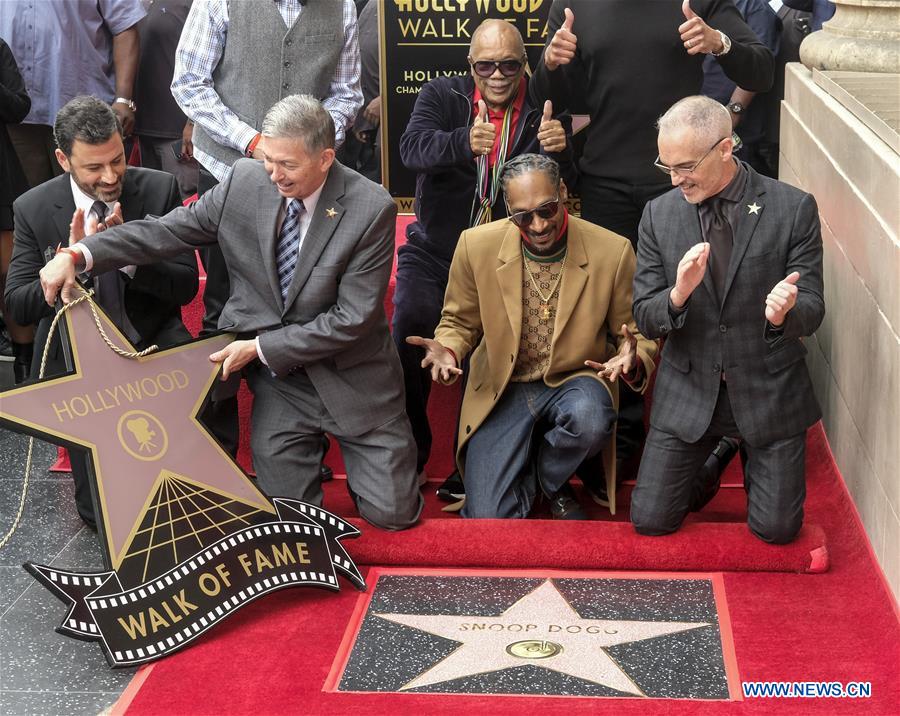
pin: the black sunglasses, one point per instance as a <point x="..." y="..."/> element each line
<point x="485" y="68"/>
<point x="544" y="211"/>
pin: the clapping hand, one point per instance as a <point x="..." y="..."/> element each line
<point x="623" y="363"/>
<point x="690" y="273"/>
<point x="551" y="134"/>
<point x="441" y="361"/>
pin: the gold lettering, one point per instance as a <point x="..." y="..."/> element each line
<point x="156" y="620"/>
<point x="169" y="382"/>
<point x="245" y="563"/>
<point x="134" y="626"/>
<point x="84" y="407"/>
<point x="204" y="580"/>
<point x="106" y="406"/>
<point x="60" y="411"/>
<point x="182" y="603"/>
<point x="223" y="574"/>
<point x="175" y="618"/>
<point x="261" y="561"/>
<point x="132" y="391"/>
<point x="302" y="553"/>
<point x="149" y="381"/>
<point x="180" y="378"/>
<point x="283" y="555"/>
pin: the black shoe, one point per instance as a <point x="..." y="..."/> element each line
<point x="22" y="361"/>
<point x="325" y="472"/>
<point x="89" y="521"/>
<point x="710" y="476"/>
<point x="564" y="505"/>
<point x="452" y="489"/>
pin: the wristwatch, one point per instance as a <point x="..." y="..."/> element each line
<point x="127" y="102"/>
<point x="735" y="107"/>
<point x="726" y="44"/>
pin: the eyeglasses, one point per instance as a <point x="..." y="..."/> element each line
<point x="544" y="211"/>
<point x="684" y="171"/>
<point x="485" y="68"/>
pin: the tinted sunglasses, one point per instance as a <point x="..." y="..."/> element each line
<point x="508" y="68"/>
<point x="544" y="211"/>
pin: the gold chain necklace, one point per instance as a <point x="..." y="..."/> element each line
<point x="545" y="313"/>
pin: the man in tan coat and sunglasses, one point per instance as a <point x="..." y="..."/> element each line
<point x="542" y="300"/>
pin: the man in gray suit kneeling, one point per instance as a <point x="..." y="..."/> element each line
<point x="309" y="245"/>
<point x="729" y="270"/>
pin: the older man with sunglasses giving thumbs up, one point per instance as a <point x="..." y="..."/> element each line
<point x="460" y="135"/>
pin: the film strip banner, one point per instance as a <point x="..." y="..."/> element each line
<point x="133" y="626"/>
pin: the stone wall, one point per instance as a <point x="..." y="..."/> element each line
<point x="854" y="358"/>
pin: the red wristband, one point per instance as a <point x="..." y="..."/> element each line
<point x="76" y="255"/>
<point x="252" y="146"/>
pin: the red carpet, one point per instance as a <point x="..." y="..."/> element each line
<point x="791" y="621"/>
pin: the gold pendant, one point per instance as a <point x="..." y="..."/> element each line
<point x="546" y="313"/>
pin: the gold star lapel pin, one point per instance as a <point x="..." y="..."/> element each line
<point x="753" y="208"/>
<point x="330" y="212"/>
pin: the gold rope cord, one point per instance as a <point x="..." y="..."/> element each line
<point x="85" y="296"/>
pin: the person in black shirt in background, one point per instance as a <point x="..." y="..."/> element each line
<point x="163" y="130"/>
<point x="628" y="61"/>
<point x="14" y="106"/>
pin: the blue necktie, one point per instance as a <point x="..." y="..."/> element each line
<point x="287" y="247"/>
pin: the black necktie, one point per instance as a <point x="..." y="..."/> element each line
<point x="109" y="288"/>
<point x="721" y="241"/>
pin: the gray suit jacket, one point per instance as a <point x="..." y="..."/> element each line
<point x="333" y="322"/>
<point x="768" y="383"/>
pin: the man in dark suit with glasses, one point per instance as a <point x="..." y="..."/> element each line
<point x="729" y="270"/>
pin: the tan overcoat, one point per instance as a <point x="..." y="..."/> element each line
<point x="483" y="310"/>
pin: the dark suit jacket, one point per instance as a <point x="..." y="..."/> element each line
<point x="152" y="298"/>
<point x="333" y="322"/>
<point x="768" y="382"/>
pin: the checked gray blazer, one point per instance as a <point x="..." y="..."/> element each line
<point x="768" y="383"/>
<point x="333" y="322"/>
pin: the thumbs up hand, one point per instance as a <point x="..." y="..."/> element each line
<point x="551" y="134"/>
<point x="563" y="44"/>
<point x="697" y="36"/>
<point x="781" y="299"/>
<point x="481" y="136"/>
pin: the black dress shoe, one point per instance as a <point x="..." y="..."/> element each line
<point x="710" y="476"/>
<point x="89" y="521"/>
<point x="452" y="489"/>
<point x="564" y="505"/>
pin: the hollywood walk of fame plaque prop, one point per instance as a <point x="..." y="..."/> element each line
<point x="186" y="535"/>
<point x="546" y="633"/>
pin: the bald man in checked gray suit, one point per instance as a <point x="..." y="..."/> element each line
<point x="729" y="270"/>
<point x="309" y="245"/>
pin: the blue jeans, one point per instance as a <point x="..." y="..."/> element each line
<point x="534" y="437"/>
